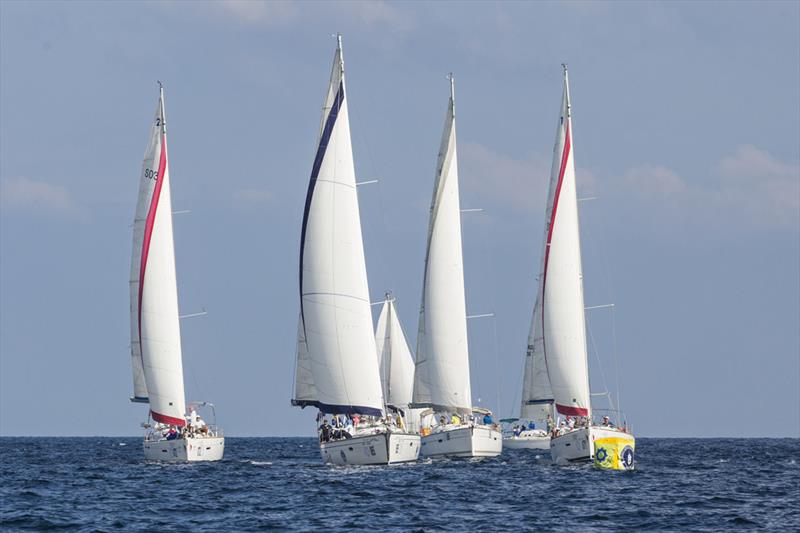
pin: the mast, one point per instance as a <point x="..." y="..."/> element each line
<point x="563" y="321"/>
<point x="335" y="314"/>
<point x="442" y="378"/>
<point x="155" y="327"/>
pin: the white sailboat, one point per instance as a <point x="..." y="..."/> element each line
<point x="563" y="322"/>
<point x="396" y="365"/>
<point x="337" y="368"/>
<point x="537" y="411"/>
<point x="441" y="379"/>
<point x="155" y="329"/>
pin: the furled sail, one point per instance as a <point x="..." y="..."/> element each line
<point x="155" y="328"/>
<point x="442" y="378"/>
<point x="563" y="324"/>
<point x="334" y="297"/>
<point x="394" y="356"/>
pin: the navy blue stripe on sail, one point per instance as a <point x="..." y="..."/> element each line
<point x="539" y="402"/>
<point x="321" y="149"/>
<point x="338" y="409"/>
<point x="348" y="409"/>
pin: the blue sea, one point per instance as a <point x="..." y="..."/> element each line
<point x="104" y="484"/>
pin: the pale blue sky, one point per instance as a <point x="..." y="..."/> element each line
<point x="686" y="129"/>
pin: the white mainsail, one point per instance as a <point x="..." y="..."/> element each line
<point x="442" y="378"/>
<point x="334" y="296"/>
<point x="155" y="328"/>
<point x="563" y="324"/>
<point x="395" y="359"/>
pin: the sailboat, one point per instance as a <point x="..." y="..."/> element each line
<point x="396" y="364"/>
<point x="578" y="437"/>
<point x="538" y="407"/>
<point x="155" y="329"/>
<point x="441" y="378"/>
<point x="337" y="366"/>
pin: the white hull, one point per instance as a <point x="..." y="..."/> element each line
<point x="378" y="449"/>
<point x="185" y="449"/>
<point x="463" y="441"/>
<point x="527" y="442"/>
<point x="579" y="445"/>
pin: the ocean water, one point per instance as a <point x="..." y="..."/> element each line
<point x="104" y="484"/>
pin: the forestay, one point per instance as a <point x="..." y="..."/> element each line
<point x="155" y="328"/>
<point x="563" y="324"/>
<point x="442" y="378"/>
<point x="334" y="297"/>
<point x="394" y="356"/>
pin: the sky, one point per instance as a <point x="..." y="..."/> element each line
<point x="686" y="120"/>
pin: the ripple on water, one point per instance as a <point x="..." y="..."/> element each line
<point x="281" y="483"/>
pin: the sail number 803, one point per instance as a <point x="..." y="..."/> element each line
<point x="150" y="174"/>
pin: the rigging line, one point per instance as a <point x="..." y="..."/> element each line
<point x="615" y="357"/>
<point x="599" y="364"/>
<point x="382" y="229"/>
<point x="600" y="245"/>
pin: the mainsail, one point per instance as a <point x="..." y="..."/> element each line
<point x="334" y="297"/>
<point x="442" y="378"/>
<point x="394" y="356"/>
<point x="563" y="324"/>
<point x="155" y="328"/>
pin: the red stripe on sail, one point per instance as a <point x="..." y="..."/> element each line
<point x="148" y="227"/>
<point x="164" y="419"/>
<point x="574" y="411"/>
<point x="564" y="156"/>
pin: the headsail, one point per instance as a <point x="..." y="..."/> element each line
<point x="394" y="356"/>
<point x="563" y="323"/>
<point x="537" y="396"/>
<point x="334" y="296"/>
<point x="305" y="393"/>
<point x="155" y="328"/>
<point x="442" y="378"/>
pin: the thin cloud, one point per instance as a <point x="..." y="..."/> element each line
<point x="283" y="14"/>
<point x="749" y="187"/>
<point x="29" y="196"/>
<point x="505" y="182"/>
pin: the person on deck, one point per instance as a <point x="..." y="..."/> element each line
<point x="487" y="419"/>
<point x="454" y="419"/>
<point x="531" y="425"/>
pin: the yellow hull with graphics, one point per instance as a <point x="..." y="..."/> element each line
<point x="614" y="453"/>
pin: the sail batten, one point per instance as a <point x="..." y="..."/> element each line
<point x="335" y="317"/>
<point x="155" y="328"/>
<point x="442" y="378"/>
<point x="561" y="290"/>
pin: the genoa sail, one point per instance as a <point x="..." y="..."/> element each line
<point x="155" y="328"/>
<point x="563" y="322"/>
<point x="394" y="356"/>
<point x="442" y="379"/>
<point x="537" y="396"/>
<point x="305" y="393"/>
<point x="334" y="295"/>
